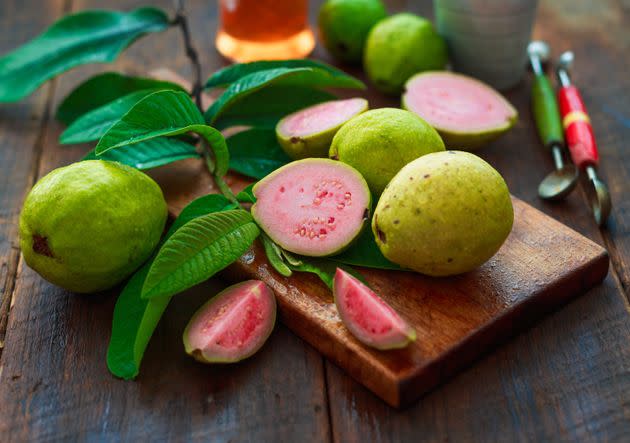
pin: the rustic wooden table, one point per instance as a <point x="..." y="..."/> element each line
<point x="566" y="379"/>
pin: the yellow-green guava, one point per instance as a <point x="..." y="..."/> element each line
<point x="87" y="226"/>
<point x="378" y="143"/>
<point x="345" y="24"/>
<point x="443" y="214"/>
<point x="400" y="46"/>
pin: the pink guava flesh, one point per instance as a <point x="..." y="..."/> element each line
<point x="372" y="321"/>
<point x="321" y="117"/>
<point x="457" y="103"/>
<point x="233" y="325"/>
<point x="313" y="207"/>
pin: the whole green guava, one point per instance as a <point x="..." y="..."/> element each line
<point x="443" y="214"/>
<point x="87" y="226"/>
<point x="400" y="46"/>
<point x="378" y="143"/>
<point x="345" y="24"/>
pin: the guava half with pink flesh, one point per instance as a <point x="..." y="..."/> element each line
<point x="372" y="321"/>
<point x="314" y="207"/>
<point x="232" y="325"/>
<point x="309" y="132"/>
<point x="466" y="112"/>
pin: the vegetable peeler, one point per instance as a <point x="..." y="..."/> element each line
<point x="559" y="183"/>
<point x="580" y="138"/>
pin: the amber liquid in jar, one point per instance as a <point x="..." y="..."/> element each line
<point x="264" y="30"/>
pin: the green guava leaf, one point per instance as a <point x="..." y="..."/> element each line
<point x="365" y="252"/>
<point x="149" y="154"/>
<point x="198" y="250"/>
<point x="247" y="195"/>
<point x="102" y="89"/>
<point x="249" y="84"/>
<point x="164" y="114"/>
<point x="199" y="207"/>
<point x="274" y="256"/>
<point x="265" y="107"/>
<point x="94" y="124"/>
<point x="226" y="76"/>
<point x="86" y="37"/>
<point x="256" y="152"/>
<point x="136" y="318"/>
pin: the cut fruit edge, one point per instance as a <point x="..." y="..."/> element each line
<point x="511" y="114"/>
<point x="328" y="116"/>
<point x="223" y="309"/>
<point x="400" y="333"/>
<point x="269" y="212"/>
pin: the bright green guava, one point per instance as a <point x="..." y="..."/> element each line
<point x="400" y="46"/>
<point x="345" y="24"/>
<point x="87" y="226"/>
<point x="443" y="214"/>
<point x="378" y="143"/>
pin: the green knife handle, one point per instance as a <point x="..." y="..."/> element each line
<point x="546" y="112"/>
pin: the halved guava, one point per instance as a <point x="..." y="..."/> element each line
<point x="314" y="207"/>
<point x="466" y="112"/>
<point x="372" y="321"/>
<point x="309" y="132"/>
<point x="232" y="325"/>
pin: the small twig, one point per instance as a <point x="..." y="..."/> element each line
<point x="182" y="21"/>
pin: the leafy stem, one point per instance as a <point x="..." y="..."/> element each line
<point x="182" y="21"/>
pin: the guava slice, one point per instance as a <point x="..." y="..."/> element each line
<point x="233" y="325"/>
<point x="466" y="112"/>
<point x="372" y="321"/>
<point x="314" y="207"/>
<point x="309" y="132"/>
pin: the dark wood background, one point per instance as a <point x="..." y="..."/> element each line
<point x="566" y="379"/>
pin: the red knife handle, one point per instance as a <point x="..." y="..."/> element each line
<point x="577" y="127"/>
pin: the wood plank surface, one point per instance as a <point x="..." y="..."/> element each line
<point x="21" y="130"/>
<point x="567" y="379"/>
<point x="55" y="386"/>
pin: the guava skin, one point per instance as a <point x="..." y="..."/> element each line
<point x="443" y="214"/>
<point x="378" y="143"/>
<point x="400" y="46"/>
<point x="345" y="24"/>
<point x="88" y="226"/>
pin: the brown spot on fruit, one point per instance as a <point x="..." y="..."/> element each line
<point x="295" y="140"/>
<point x="427" y="175"/>
<point x="396" y="222"/>
<point x="40" y="245"/>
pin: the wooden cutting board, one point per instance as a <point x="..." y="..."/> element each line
<point x="541" y="266"/>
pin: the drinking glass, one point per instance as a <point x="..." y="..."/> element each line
<point x="264" y="30"/>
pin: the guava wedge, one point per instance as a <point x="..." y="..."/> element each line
<point x="309" y="132"/>
<point x="232" y="325"/>
<point x="372" y="321"/>
<point x="314" y="207"/>
<point x="467" y="113"/>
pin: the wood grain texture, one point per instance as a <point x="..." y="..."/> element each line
<point x="566" y="379"/>
<point x="21" y="130"/>
<point x="54" y="384"/>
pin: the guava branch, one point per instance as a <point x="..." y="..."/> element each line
<point x="182" y="21"/>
